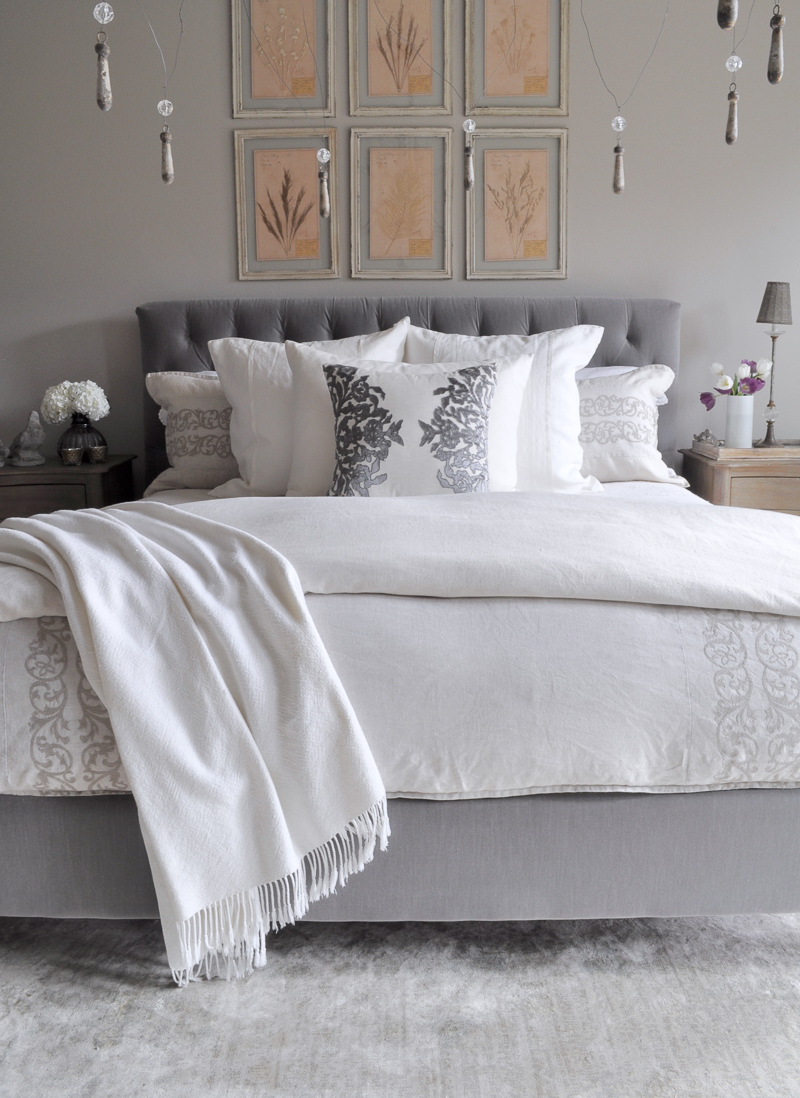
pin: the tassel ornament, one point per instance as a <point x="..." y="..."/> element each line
<point x="619" y="170"/>
<point x="775" y="64"/>
<point x="727" y="13"/>
<point x="732" y="129"/>
<point x="324" y="194"/>
<point x="102" y="49"/>
<point x="167" y="166"/>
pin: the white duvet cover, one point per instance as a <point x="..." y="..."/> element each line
<point x="671" y="665"/>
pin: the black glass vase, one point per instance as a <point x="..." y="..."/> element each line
<point x="82" y="435"/>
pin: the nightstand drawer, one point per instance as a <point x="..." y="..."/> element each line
<point x="768" y="493"/>
<point x="23" y="500"/>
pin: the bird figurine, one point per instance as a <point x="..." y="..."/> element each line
<point x="25" y="447"/>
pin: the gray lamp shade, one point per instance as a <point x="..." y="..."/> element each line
<point x="776" y="308"/>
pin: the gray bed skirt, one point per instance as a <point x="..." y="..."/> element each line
<point x="553" y="856"/>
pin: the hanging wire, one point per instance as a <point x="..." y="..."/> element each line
<point x="644" y="67"/>
<point x="167" y="78"/>
<point x="746" y="29"/>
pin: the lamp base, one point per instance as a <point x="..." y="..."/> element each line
<point x="769" y="438"/>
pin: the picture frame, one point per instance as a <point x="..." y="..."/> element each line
<point x="287" y="72"/>
<point x="517" y="57"/>
<point x="280" y="232"/>
<point x="405" y="73"/>
<point x="401" y="197"/>
<point x="516" y="211"/>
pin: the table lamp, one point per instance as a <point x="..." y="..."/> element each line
<point x="776" y="308"/>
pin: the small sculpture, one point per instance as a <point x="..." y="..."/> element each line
<point x="25" y="447"/>
<point x="3" y="453"/>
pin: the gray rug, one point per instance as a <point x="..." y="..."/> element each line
<point x="651" y="1008"/>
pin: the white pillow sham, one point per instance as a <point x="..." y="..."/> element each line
<point x="196" y="416"/>
<point x="619" y="425"/>
<point x="423" y="430"/>
<point x="610" y="371"/>
<point x="549" y="456"/>
<point x="257" y="382"/>
<point x="314" y="451"/>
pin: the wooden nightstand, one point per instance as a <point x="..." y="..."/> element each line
<point x="767" y="479"/>
<point x="39" y="489"/>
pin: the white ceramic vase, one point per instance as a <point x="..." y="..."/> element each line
<point x="739" y="422"/>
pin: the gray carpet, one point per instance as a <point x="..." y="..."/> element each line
<point x="681" y="1008"/>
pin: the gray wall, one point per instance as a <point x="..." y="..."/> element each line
<point x="88" y="230"/>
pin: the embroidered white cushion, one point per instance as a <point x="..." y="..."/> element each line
<point x="619" y="425"/>
<point x="610" y="371"/>
<point x="419" y="431"/>
<point x="258" y="384"/>
<point x="196" y="416"/>
<point x="549" y="456"/>
<point x="314" y="454"/>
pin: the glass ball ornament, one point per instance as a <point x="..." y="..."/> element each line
<point x="468" y="125"/>
<point x="323" y="156"/>
<point x="165" y="107"/>
<point x="734" y="63"/>
<point x="618" y="124"/>
<point x="103" y="13"/>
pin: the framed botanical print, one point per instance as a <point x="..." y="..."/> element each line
<point x="516" y="212"/>
<point x="400" y="57"/>
<point x="281" y="233"/>
<point x="282" y="58"/>
<point x="401" y="193"/>
<point x="516" y="60"/>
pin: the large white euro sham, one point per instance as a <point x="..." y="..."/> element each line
<point x="257" y="382"/>
<point x="549" y="455"/>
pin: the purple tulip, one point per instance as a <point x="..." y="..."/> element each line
<point x="709" y="400"/>
<point x="748" y="362"/>
<point x="749" y="385"/>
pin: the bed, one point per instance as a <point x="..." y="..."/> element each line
<point x="542" y="855"/>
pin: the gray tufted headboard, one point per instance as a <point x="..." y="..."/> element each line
<point x="175" y="334"/>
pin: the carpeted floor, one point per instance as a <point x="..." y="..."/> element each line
<point x="651" y="1008"/>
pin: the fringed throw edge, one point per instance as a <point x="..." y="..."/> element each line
<point x="228" y="938"/>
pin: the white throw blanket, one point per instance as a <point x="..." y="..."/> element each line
<point x="255" y="787"/>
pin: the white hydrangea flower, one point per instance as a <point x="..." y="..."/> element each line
<point x="84" y="397"/>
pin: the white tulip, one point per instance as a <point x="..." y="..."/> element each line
<point x="717" y="368"/>
<point x="725" y="382"/>
<point x="743" y="371"/>
<point x="763" y="367"/>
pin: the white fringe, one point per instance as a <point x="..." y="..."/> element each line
<point x="228" y="938"/>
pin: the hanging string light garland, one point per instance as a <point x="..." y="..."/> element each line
<point x="618" y="123"/>
<point x="103" y="13"/>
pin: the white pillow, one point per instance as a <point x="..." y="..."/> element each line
<point x="619" y="425"/>
<point x="423" y="430"/>
<point x="314" y="455"/>
<point x="196" y="417"/>
<point x="549" y="456"/>
<point x="258" y="384"/>
<point x="610" y="371"/>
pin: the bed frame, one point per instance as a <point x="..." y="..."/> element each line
<point x="550" y="856"/>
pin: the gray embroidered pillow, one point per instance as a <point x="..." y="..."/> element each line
<point x="197" y="429"/>
<point x="619" y="425"/>
<point x="416" y="431"/>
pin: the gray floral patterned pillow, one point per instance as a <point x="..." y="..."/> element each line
<point x="197" y="429"/>
<point x="419" y="431"/>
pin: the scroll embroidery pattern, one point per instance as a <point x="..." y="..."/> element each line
<point x="192" y="432"/>
<point x="619" y="419"/>
<point x="69" y="725"/>
<point x="459" y="432"/>
<point x="365" y="429"/>
<point x="758" y="695"/>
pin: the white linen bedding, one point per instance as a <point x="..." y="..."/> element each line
<point x="605" y="689"/>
